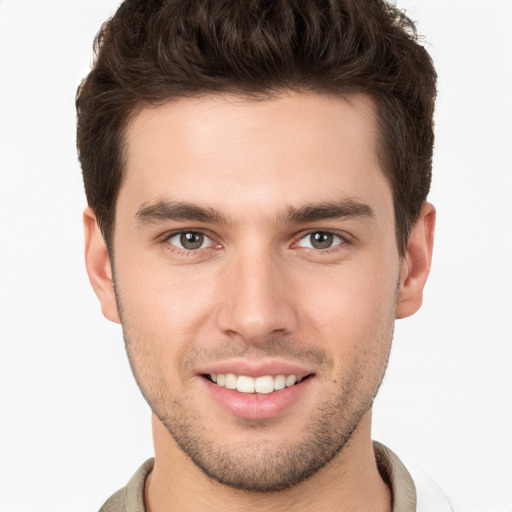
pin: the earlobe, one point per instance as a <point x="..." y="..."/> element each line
<point x="99" y="269"/>
<point x="416" y="263"/>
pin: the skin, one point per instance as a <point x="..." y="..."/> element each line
<point x="257" y="292"/>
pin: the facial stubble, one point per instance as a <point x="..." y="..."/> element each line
<point x="256" y="467"/>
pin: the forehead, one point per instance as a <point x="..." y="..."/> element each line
<point x="250" y="155"/>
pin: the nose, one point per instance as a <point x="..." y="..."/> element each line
<point x="257" y="300"/>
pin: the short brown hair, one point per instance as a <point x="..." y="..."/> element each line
<point x="152" y="51"/>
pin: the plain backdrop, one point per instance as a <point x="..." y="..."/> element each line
<point x="73" y="425"/>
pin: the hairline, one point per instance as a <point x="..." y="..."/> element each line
<point x="248" y="94"/>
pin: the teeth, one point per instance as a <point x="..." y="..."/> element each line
<point x="245" y="384"/>
<point x="265" y="384"/>
<point x="279" y="382"/>
<point x="230" y="381"/>
<point x="290" y="380"/>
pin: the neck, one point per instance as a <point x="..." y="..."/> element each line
<point x="351" y="481"/>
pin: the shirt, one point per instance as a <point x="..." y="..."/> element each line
<point x="425" y="496"/>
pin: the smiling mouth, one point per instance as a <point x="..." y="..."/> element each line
<point x="264" y="384"/>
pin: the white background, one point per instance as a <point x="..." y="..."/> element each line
<point x="73" y="426"/>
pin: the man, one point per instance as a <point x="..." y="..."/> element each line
<point x="257" y="174"/>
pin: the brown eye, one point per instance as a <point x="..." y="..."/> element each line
<point x="320" y="240"/>
<point x="189" y="240"/>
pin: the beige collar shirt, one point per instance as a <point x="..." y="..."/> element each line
<point x="404" y="492"/>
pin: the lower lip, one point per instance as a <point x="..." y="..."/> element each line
<point x="257" y="406"/>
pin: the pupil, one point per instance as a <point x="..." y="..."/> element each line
<point x="322" y="240"/>
<point x="191" y="240"/>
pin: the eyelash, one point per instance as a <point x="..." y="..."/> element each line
<point x="344" y="241"/>
<point x="187" y="252"/>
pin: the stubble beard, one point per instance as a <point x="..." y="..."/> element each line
<point x="255" y="467"/>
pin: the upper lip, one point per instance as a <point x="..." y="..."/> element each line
<point x="255" y="368"/>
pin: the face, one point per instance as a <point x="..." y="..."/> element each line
<point x="257" y="278"/>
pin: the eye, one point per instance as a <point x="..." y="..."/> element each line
<point x="320" y="240"/>
<point x="189" y="240"/>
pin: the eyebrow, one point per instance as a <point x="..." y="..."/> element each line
<point x="161" y="211"/>
<point x="171" y="210"/>
<point x="323" y="211"/>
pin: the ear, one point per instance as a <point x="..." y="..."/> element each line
<point x="415" y="265"/>
<point x="99" y="269"/>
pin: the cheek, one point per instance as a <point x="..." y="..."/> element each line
<point x="354" y="322"/>
<point x="162" y="305"/>
<point x="158" y="318"/>
<point x="350" y="308"/>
